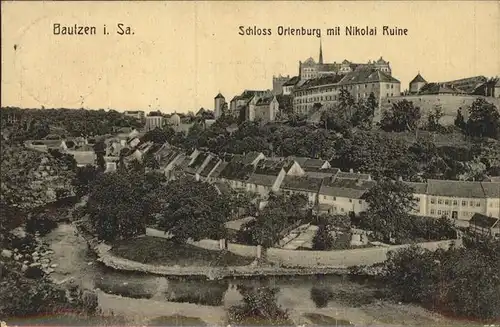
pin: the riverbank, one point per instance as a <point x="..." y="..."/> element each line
<point x="357" y="302"/>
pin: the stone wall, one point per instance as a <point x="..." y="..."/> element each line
<point x="310" y="259"/>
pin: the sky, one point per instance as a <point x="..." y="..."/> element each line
<point x="183" y="53"/>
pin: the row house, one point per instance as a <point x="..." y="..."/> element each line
<point x="459" y="200"/>
<point x="307" y="186"/>
<point x="343" y="195"/>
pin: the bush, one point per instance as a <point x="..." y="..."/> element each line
<point x="321" y="296"/>
<point x="42" y="224"/>
<point x="323" y="240"/>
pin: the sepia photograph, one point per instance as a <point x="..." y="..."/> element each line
<point x="250" y="163"/>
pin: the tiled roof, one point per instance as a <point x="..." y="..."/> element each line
<point x="491" y="189"/>
<point x="324" y="80"/>
<point x="250" y="157"/>
<point x="299" y="160"/>
<point x="269" y="167"/>
<point x="313" y="163"/>
<point x="219" y="169"/>
<point x="260" y="179"/>
<point x="347" y="175"/>
<point x="210" y="165"/>
<point x="347" y="188"/>
<point x="458" y="189"/>
<point x="322" y="173"/>
<point x="236" y="171"/>
<point x="264" y="100"/>
<point x="439" y="88"/>
<point x="329" y="67"/>
<point x="467" y="84"/>
<point x="292" y="81"/>
<point x="418" y="79"/>
<point x="367" y="75"/>
<point x="307" y="184"/>
<point x="483" y="221"/>
<point x="419" y="188"/>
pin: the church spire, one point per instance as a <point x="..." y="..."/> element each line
<point x="320" y="53"/>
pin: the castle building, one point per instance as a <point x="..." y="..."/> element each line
<point x="153" y="122"/>
<point x="137" y="114"/>
<point x="416" y="84"/>
<point x="219" y="102"/>
<point x="278" y="82"/>
<point x="311" y="69"/>
<point x="448" y="96"/>
<point x="255" y="104"/>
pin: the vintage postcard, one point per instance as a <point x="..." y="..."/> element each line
<point x="250" y="163"/>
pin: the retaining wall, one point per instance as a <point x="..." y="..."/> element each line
<point x="310" y="259"/>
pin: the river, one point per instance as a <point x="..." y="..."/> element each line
<point x="140" y="297"/>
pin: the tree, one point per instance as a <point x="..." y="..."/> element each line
<point x="389" y="202"/>
<point x="459" y="120"/>
<point x="484" y="119"/>
<point x="323" y="240"/>
<point x="100" y="151"/>
<point x="119" y="205"/>
<point x="85" y="177"/>
<point x="403" y="116"/>
<point x="192" y="210"/>
<point x="259" y="307"/>
<point x="365" y="111"/>
<point x="433" y="119"/>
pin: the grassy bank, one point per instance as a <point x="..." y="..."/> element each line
<point x="160" y="251"/>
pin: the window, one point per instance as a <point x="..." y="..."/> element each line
<point x="334" y="198"/>
<point x="433" y="200"/>
<point x="433" y="212"/>
<point x="471" y="203"/>
<point x="350" y="200"/>
<point x="342" y="209"/>
<point x="417" y="199"/>
<point x="359" y="201"/>
<point x="439" y="212"/>
<point x="440" y="201"/>
<point x="455" y="202"/>
<point x="478" y="203"/>
<point x="324" y="197"/>
<point x="464" y="203"/>
<point x="446" y="202"/>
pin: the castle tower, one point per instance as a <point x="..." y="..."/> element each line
<point x="219" y="102"/>
<point x="417" y="83"/>
<point x="320" y="61"/>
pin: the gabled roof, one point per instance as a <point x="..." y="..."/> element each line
<point x="324" y="80"/>
<point x="458" y="189"/>
<point x="483" y="221"/>
<point x="236" y="171"/>
<point x="313" y="163"/>
<point x="346" y="188"/>
<point x="210" y="166"/>
<point x="439" y="88"/>
<point x="264" y="100"/>
<point x="419" y="188"/>
<point x="250" y="157"/>
<point x="367" y="75"/>
<point x="491" y="189"/>
<point x="304" y="184"/>
<point x="322" y="173"/>
<point x="346" y="175"/>
<point x="418" y="79"/>
<point x="260" y="179"/>
<point x="219" y="169"/>
<point x="292" y="81"/>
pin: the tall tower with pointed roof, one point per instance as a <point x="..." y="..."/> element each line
<point x="320" y="61"/>
<point x="219" y="103"/>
